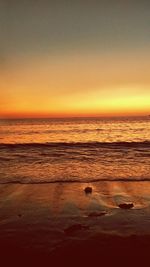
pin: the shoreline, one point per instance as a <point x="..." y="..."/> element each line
<point x="71" y="181"/>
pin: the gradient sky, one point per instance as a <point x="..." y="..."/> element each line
<point x="74" y="58"/>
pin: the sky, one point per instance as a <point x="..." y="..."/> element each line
<point x="74" y="58"/>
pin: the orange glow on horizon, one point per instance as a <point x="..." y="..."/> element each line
<point x="76" y="86"/>
<point x="13" y="115"/>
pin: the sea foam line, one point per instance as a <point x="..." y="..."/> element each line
<point x="78" y="181"/>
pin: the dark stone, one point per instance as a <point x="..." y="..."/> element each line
<point x="126" y="206"/>
<point x="19" y="215"/>
<point x="88" y="190"/>
<point x="97" y="214"/>
<point x="74" y="228"/>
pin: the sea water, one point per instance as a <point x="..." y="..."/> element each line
<point x="74" y="150"/>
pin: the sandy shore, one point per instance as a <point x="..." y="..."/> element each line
<point x="59" y="223"/>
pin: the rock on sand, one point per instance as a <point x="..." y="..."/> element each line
<point x="126" y="206"/>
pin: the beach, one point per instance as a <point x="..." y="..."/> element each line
<point x="75" y="192"/>
<point x="60" y="223"/>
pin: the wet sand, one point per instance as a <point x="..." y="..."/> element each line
<point x="60" y="224"/>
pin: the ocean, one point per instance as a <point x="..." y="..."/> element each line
<point x="74" y="150"/>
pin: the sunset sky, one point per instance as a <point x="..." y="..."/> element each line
<point x="74" y="58"/>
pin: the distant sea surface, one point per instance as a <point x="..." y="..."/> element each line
<point x="76" y="149"/>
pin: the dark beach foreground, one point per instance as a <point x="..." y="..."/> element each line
<point x="59" y="225"/>
<point x="102" y="249"/>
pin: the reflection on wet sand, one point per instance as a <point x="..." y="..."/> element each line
<point x="49" y="215"/>
<point x="58" y="197"/>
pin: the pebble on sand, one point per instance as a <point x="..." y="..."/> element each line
<point x="97" y="214"/>
<point x="88" y="190"/>
<point x="126" y="206"/>
<point x="74" y="228"/>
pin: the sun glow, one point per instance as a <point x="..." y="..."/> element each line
<point x="75" y="86"/>
<point x="74" y="60"/>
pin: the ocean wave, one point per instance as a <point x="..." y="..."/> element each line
<point x="124" y="180"/>
<point x="145" y="143"/>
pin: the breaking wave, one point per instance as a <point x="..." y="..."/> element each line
<point x="76" y="144"/>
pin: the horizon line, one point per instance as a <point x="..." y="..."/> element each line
<point x="73" y="117"/>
